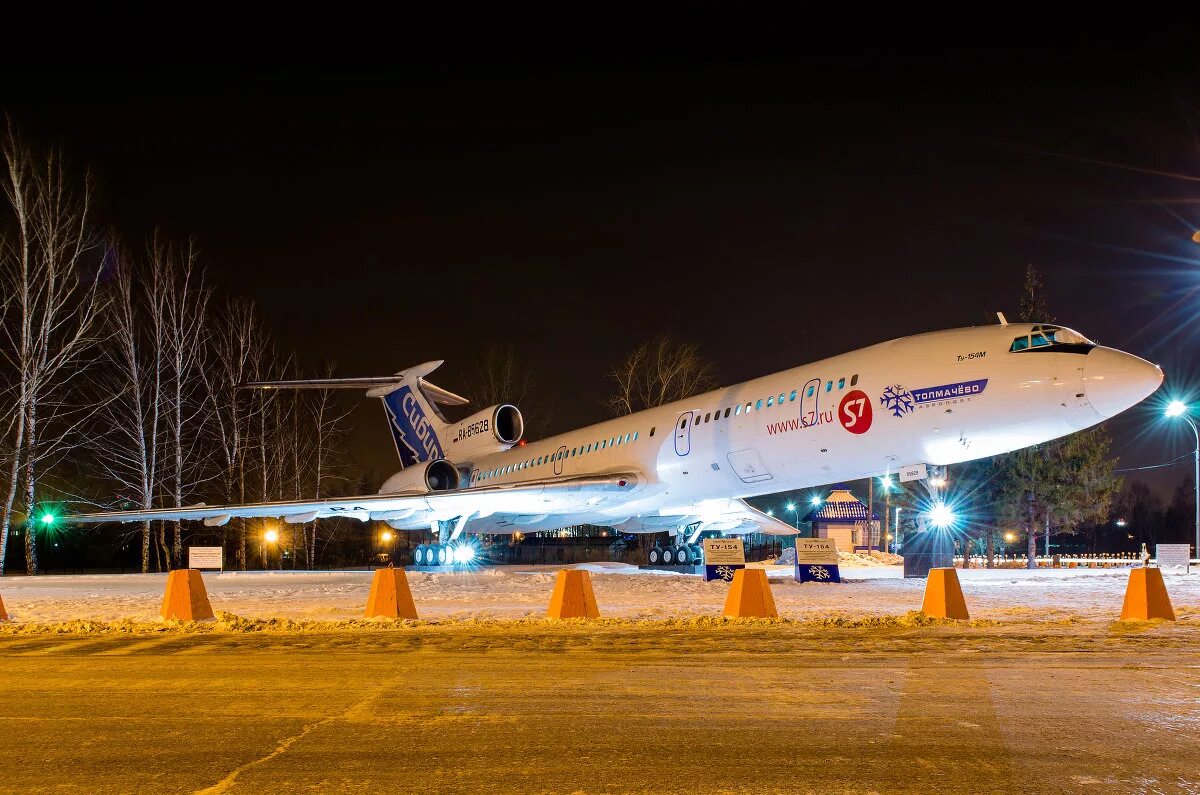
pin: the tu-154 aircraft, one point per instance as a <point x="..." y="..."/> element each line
<point x="937" y="398"/>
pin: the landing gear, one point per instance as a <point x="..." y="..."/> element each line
<point x="430" y="555"/>
<point x="678" y="555"/>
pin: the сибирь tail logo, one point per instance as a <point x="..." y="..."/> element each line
<point x="415" y="438"/>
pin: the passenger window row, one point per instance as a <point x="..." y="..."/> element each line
<point x="758" y="405"/>
<point x="542" y="460"/>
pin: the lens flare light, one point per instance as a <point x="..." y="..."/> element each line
<point x="941" y="516"/>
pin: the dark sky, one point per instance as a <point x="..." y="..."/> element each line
<point x="774" y="208"/>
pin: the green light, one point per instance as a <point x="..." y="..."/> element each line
<point x="47" y="518"/>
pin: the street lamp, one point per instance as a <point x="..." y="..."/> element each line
<point x="1177" y="408"/>
<point x="791" y="506"/>
<point x="816" y="502"/>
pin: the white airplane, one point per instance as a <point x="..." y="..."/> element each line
<point x="935" y="399"/>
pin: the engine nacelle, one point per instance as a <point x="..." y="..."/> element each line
<point x="489" y="431"/>
<point x="438" y="475"/>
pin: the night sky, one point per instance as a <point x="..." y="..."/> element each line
<point x="774" y="209"/>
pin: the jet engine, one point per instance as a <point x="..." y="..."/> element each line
<point x="437" y="475"/>
<point x="489" y="431"/>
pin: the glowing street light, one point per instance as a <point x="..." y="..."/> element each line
<point x="385" y="537"/>
<point x="1010" y="537"/>
<point x="1177" y="408"/>
<point x="271" y="536"/>
<point x="816" y="502"/>
<point x="941" y="516"/>
<point x="937" y="482"/>
<point x="1120" y="523"/>
<point x="48" y="519"/>
<point x="791" y="506"/>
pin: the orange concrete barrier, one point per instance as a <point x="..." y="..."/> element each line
<point x="390" y="596"/>
<point x="186" y="598"/>
<point x="573" y="596"/>
<point x="944" y="596"/>
<point x="1146" y="597"/>
<point x="3" y="612"/>
<point x="750" y="595"/>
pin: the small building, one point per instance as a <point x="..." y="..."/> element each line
<point x="843" y="517"/>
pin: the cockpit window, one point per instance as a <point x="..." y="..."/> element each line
<point x="1052" y="338"/>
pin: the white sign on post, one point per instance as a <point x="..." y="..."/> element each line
<point x="722" y="557"/>
<point x="913" y="472"/>
<point x="1170" y="555"/>
<point x="205" y="558"/>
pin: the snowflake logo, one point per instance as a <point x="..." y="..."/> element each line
<point x="724" y="572"/>
<point x="897" y="400"/>
<point x="818" y="572"/>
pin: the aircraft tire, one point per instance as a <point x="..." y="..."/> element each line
<point x="441" y="554"/>
<point x="655" y="556"/>
<point x="697" y="553"/>
<point x="668" y="556"/>
<point x="419" y="555"/>
<point x="683" y="555"/>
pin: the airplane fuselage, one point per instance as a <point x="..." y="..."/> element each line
<point x="937" y="398"/>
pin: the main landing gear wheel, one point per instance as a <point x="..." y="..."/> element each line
<point x="439" y="556"/>
<point x="655" y="556"/>
<point x="682" y="555"/>
<point x="419" y="555"/>
<point x="668" y="555"/>
<point x="697" y="552"/>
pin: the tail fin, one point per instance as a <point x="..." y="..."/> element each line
<point x="409" y="401"/>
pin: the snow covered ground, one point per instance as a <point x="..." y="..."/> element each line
<point x="1062" y="596"/>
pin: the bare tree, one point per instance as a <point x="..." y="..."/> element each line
<point x="131" y="385"/>
<point x="238" y="350"/>
<point x="187" y="335"/>
<point x="52" y="318"/>
<point x="499" y="378"/>
<point x="660" y="370"/>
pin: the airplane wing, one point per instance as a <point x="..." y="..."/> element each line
<point x="535" y="498"/>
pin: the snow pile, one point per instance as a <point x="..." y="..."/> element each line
<point x="873" y="594"/>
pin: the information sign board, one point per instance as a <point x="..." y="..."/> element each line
<point x="817" y="560"/>
<point x="1171" y="555"/>
<point x="205" y="558"/>
<point x="722" y="557"/>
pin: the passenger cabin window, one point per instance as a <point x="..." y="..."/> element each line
<point x="758" y="405"/>
<point x="828" y="386"/>
<point x="810" y="391"/>
<point x="770" y="401"/>
<point x="651" y="430"/>
<point x="854" y="380"/>
<point x="841" y="383"/>
<point x="727" y="413"/>
<point x="792" y="396"/>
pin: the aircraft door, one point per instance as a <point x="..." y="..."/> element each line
<point x="559" y="457"/>
<point x="810" y="398"/>
<point x="683" y="433"/>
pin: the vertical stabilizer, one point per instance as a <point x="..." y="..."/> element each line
<point x="410" y="402"/>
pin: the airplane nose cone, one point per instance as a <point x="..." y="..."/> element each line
<point x="1114" y="380"/>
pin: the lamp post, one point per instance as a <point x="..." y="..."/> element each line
<point x="896" y="530"/>
<point x="1177" y="408"/>
<point x="791" y="506"/>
